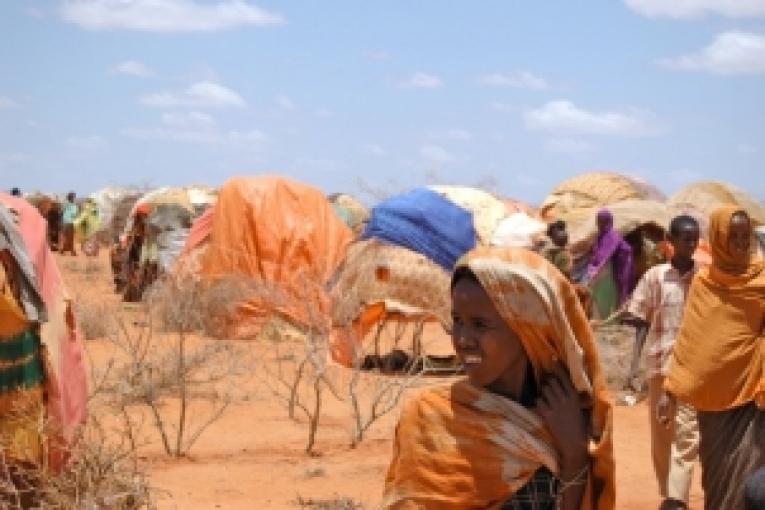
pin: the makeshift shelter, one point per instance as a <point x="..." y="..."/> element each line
<point x="282" y="239"/>
<point x="701" y="198"/>
<point x="65" y="372"/>
<point x="519" y="230"/>
<point x="595" y="189"/>
<point x="387" y="298"/>
<point x="350" y="210"/>
<point x="425" y="222"/>
<point x="154" y="235"/>
<point x="392" y="291"/>
<point x="487" y="210"/>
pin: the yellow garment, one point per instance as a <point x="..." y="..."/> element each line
<point x="13" y="321"/>
<point x="717" y="362"/>
<point x="461" y="447"/>
<point x="21" y="408"/>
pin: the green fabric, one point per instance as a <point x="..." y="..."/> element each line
<point x="27" y="374"/>
<point x="605" y="293"/>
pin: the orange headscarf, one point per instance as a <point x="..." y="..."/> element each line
<point x="458" y="446"/>
<point x="717" y="361"/>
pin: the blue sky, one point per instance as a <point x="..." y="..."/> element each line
<point x="351" y="95"/>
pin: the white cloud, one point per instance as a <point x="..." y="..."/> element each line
<point x="688" y="9"/>
<point x="569" y="146"/>
<point x="422" y="80"/>
<point x="730" y="53"/>
<point x="204" y="94"/>
<point x="436" y="154"/>
<point x="285" y="103"/>
<point x="133" y="68"/>
<point x="565" y="117"/>
<point x="166" y="16"/>
<point x="372" y="149"/>
<point x="87" y="144"/>
<point x="519" y="79"/>
<point x="7" y="103"/>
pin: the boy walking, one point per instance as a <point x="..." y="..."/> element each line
<point x="656" y="309"/>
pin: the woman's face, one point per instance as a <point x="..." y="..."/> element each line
<point x="490" y="351"/>
<point x="740" y="236"/>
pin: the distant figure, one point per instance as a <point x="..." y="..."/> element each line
<point x="656" y="309"/>
<point x="717" y="362"/>
<point x="556" y="251"/>
<point x="16" y="192"/>
<point x="609" y="274"/>
<point x="68" y="215"/>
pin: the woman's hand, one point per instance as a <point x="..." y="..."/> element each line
<point x="560" y="408"/>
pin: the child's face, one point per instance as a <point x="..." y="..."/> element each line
<point x="559" y="238"/>
<point x="685" y="242"/>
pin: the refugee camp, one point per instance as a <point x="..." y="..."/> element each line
<point x="344" y="256"/>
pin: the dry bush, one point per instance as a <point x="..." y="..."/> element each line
<point x="95" y="320"/>
<point x="104" y="472"/>
<point x="336" y="503"/>
<point x="155" y="370"/>
<point x="376" y="395"/>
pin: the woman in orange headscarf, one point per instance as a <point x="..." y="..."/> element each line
<point x="530" y="426"/>
<point x="717" y="362"/>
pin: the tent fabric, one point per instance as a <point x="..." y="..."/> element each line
<point x="194" y="199"/>
<point x="592" y="190"/>
<point x="378" y="281"/>
<point x="519" y="230"/>
<point x="66" y="384"/>
<point x="705" y="197"/>
<point x="487" y="210"/>
<point x="353" y="212"/>
<point x="285" y="238"/>
<point x="425" y="222"/>
<point x="200" y="231"/>
<point x="108" y="200"/>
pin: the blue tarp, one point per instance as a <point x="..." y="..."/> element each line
<point x="426" y="222"/>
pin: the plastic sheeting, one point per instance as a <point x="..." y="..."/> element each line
<point x="518" y="230"/>
<point x="487" y="210"/>
<point x="425" y="222"/>
<point x="285" y="239"/>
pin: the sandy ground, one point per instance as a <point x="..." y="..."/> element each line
<point x="254" y="457"/>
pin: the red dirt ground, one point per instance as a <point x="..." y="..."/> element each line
<point x="254" y="456"/>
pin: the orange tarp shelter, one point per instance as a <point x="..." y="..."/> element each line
<point x="284" y="238"/>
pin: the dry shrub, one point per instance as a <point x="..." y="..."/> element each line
<point x="202" y="378"/>
<point x="95" y="320"/>
<point x="104" y="473"/>
<point x="194" y="305"/>
<point x="336" y="503"/>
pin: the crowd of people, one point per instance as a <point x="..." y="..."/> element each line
<point x="530" y="426"/>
